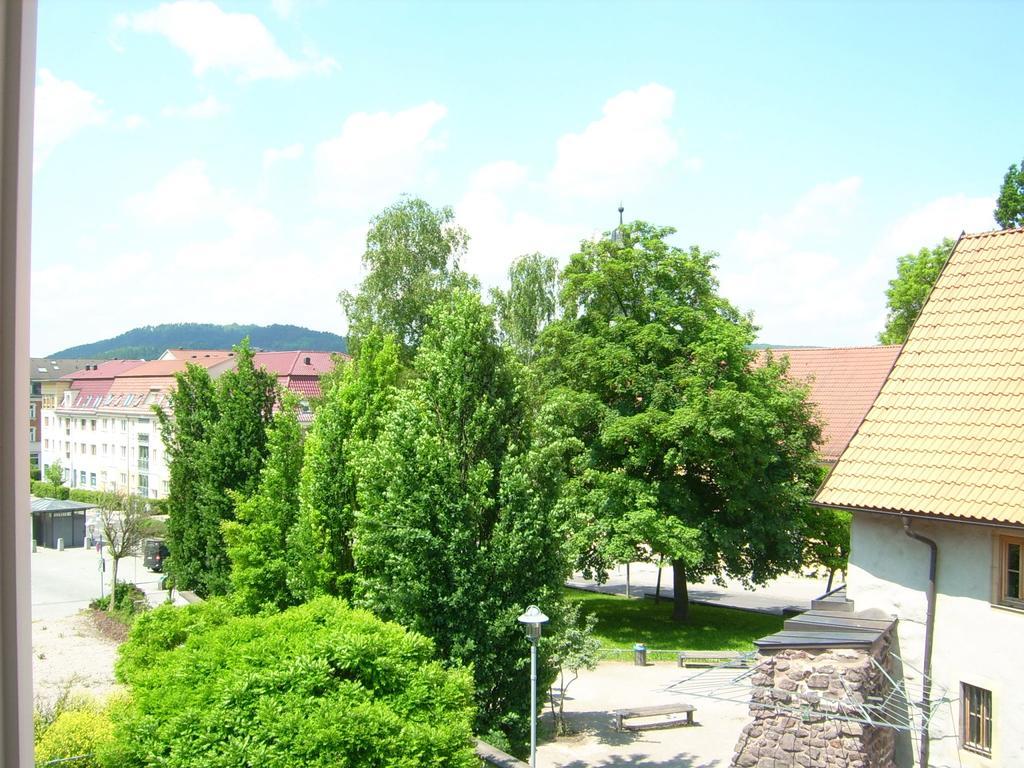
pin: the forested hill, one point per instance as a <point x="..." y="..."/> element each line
<point x="150" y="341"/>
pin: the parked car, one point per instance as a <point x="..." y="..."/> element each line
<point x="154" y="553"/>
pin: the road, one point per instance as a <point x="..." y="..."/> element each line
<point x="65" y="582"/>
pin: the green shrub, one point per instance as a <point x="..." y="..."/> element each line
<point x="45" y="490"/>
<point x="126" y="597"/>
<point x="317" y="685"/>
<point x="34" y="473"/>
<point x="76" y="732"/>
<point x="85" y="496"/>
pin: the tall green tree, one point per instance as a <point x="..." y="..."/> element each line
<point x="529" y="304"/>
<point x="693" y="452"/>
<point x="916" y="273"/>
<point x="216" y="442"/>
<point x="1009" y="212"/>
<point x="320" y="541"/>
<point x="257" y="539"/>
<point x="456" y="534"/>
<point x="235" y="452"/>
<point x="185" y="428"/>
<point x="412" y="256"/>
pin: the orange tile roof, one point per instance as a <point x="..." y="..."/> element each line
<point x="844" y="382"/>
<point x="945" y="436"/>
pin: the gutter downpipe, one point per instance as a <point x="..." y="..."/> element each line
<point x="929" y="634"/>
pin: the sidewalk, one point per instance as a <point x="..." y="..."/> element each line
<point x="789" y="593"/>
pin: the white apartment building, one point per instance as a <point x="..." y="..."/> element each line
<point x="101" y="426"/>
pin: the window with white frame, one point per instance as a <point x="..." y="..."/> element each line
<point x="976" y="719"/>
<point x="92" y="479"/>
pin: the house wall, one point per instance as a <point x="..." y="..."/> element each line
<point x="975" y="641"/>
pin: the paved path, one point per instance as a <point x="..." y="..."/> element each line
<point x="614" y="685"/>
<point x="791" y="592"/>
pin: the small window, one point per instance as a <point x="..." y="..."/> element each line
<point x="31" y="434"/>
<point x="1011" y="585"/>
<point x="977" y="719"/>
<point x="31" y="410"/>
<point x="81" y="477"/>
<point x="93" y="449"/>
<point x="92" y="479"/>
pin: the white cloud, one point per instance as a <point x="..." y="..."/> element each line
<point x="812" y="276"/>
<point x="927" y="225"/>
<point x="209" y="107"/>
<point x="282" y="8"/>
<point x="62" y="109"/>
<point x="498" y="233"/>
<point x="131" y="122"/>
<point x="787" y="269"/>
<point x="218" y="40"/>
<point x="376" y="156"/>
<point x="622" y="151"/>
<point x="291" y="152"/>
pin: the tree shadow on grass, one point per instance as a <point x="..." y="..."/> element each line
<point x="682" y="760"/>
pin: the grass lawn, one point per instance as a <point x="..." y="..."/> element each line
<point x="622" y="622"/>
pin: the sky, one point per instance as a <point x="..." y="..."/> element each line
<point x="200" y="161"/>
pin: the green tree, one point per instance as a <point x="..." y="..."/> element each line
<point x="257" y="539"/>
<point x="412" y="256"/>
<point x="1009" y="212"/>
<point x="916" y="273"/>
<point x="185" y="429"/>
<point x="216" y="442"/>
<point x="124" y="520"/>
<point x="529" y="304"/>
<point x="55" y="474"/>
<point x="320" y="541"/>
<point x="455" y="535"/>
<point x="316" y="685"/>
<point x="234" y="455"/>
<point x="693" y="452"/>
<point x="572" y="648"/>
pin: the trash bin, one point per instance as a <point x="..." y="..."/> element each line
<point x="639" y="655"/>
<point x="60" y="545"/>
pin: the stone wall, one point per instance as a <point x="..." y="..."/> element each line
<point x="797" y="704"/>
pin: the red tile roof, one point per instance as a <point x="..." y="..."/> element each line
<point x="295" y="363"/>
<point x="844" y="382"/>
<point x="105" y="370"/>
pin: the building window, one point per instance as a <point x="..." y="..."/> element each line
<point x="1011" y="584"/>
<point x="104" y="449"/>
<point x="81" y="447"/>
<point x="46" y="444"/>
<point x="46" y="421"/>
<point x="31" y="434"/>
<point x="31" y="410"/>
<point x="124" y="451"/>
<point x="124" y="479"/>
<point x="81" y="477"/>
<point x="93" y="449"/>
<point x="104" y="425"/>
<point x="92" y="425"/>
<point x="82" y="423"/>
<point x="977" y="719"/>
<point x="92" y="479"/>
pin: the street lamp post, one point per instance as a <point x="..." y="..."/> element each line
<point x="532" y="620"/>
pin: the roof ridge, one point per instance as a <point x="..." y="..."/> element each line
<point x="786" y="350"/>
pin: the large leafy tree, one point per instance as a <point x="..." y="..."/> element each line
<point x="1009" y="212"/>
<point x="695" y="453"/>
<point x="320" y="541"/>
<point x="455" y="534"/>
<point x="529" y="304"/>
<point x="185" y="428"/>
<point x="412" y="257"/>
<point x="257" y="539"/>
<point x="916" y="273"/>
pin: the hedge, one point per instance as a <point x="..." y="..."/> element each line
<point x="46" y="490"/>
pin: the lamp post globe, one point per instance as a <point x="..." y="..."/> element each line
<point x="532" y="620"/>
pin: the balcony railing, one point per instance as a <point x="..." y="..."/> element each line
<point x="143" y="465"/>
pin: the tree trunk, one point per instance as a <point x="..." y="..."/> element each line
<point x="680" y="596"/>
<point x="113" y="584"/>
<point x="657" y="586"/>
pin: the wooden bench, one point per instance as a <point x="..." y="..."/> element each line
<point x="619" y="716"/>
<point x="730" y="659"/>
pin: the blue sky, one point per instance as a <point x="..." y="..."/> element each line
<point x="219" y="161"/>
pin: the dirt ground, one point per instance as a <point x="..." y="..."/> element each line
<point x="71" y="652"/>
<point x="617" y="685"/>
